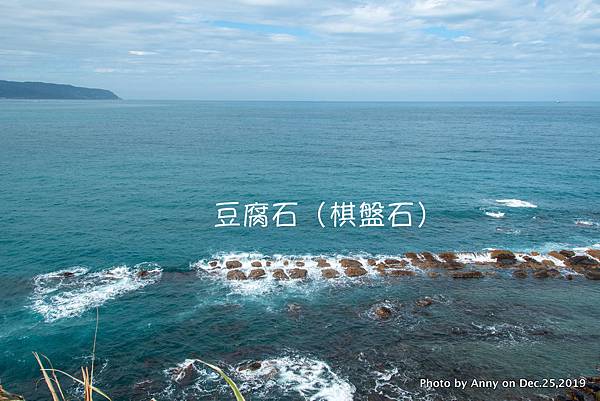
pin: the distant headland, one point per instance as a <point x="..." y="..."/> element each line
<point x="43" y="90"/>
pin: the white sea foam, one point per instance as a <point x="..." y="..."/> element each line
<point x="586" y="223"/>
<point x="496" y="215"/>
<point x="515" y="203"/>
<point x="311" y="379"/>
<point x="306" y="378"/>
<point x="70" y="292"/>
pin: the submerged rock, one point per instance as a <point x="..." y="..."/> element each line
<point x="323" y="263"/>
<point x="330" y="273"/>
<point x="383" y="312"/>
<point x="297" y="273"/>
<point x="250" y="366"/>
<point x="233" y="264"/>
<point x="520" y="273"/>
<point x="468" y="274"/>
<point x="592" y="274"/>
<point x="279" y="274"/>
<point x="541" y="273"/>
<point x="256" y="274"/>
<point x="350" y="263"/>
<point x="424" y="302"/>
<point x="448" y="256"/>
<point x="236" y="275"/>
<point x="355" y="271"/>
<point x="6" y="396"/>
<point x="433" y="274"/>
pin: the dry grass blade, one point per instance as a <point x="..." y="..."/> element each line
<point x="232" y="385"/>
<point x="47" y="378"/>
<point x="94" y="389"/>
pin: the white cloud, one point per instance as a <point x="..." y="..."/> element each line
<point x="282" y="37"/>
<point x="140" y="53"/>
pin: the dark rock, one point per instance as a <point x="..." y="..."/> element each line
<point x="399" y="272"/>
<point x="286" y="262"/>
<point x="269" y="263"/>
<point x="355" y="271"/>
<point x="566" y="253"/>
<point x="541" y="273"/>
<point x="256" y="274"/>
<point x="581" y="260"/>
<point x="424" y="302"/>
<point x="279" y="274"/>
<point x="350" y="263"/>
<point x="250" y="366"/>
<point x="502" y="254"/>
<point x="330" y="273"/>
<point x="297" y="273"/>
<point x="467" y="274"/>
<point x="233" y="264"/>
<point x="256" y="263"/>
<point x="213" y="263"/>
<point x="322" y="263"/>
<point x="569" y="277"/>
<point x="300" y="263"/>
<point x="395" y="262"/>
<point x="6" y="396"/>
<point x="236" y="275"/>
<point x="520" y="273"/>
<point x="592" y="274"/>
<point x="553" y="273"/>
<point x="67" y="274"/>
<point x="383" y="312"/>
<point x="143" y="273"/>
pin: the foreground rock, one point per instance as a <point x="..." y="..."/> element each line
<point x="355" y="271"/>
<point x="256" y="274"/>
<point x="330" y="273"/>
<point x="279" y="274"/>
<point x="233" y="264"/>
<point x="6" y="396"/>
<point x="468" y="274"/>
<point x="503" y="257"/>
<point x="297" y="273"/>
<point x="322" y="263"/>
<point x="350" y="263"/>
<point x="236" y="275"/>
<point x="383" y="312"/>
<point x="593" y="274"/>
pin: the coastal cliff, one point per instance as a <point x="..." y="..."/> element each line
<point x="43" y="90"/>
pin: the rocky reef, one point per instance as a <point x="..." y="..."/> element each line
<point x="563" y="264"/>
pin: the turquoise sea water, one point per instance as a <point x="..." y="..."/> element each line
<point x="96" y="187"/>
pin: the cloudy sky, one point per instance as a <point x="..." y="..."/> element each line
<point x="308" y="50"/>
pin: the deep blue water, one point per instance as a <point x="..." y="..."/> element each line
<point x="106" y="184"/>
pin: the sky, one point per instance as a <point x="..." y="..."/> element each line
<point x="414" y="50"/>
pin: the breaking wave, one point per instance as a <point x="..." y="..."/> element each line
<point x="70" y="292"/>
<point x="515" y="203"/>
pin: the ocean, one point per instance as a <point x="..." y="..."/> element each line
<point x="104" y="190"/>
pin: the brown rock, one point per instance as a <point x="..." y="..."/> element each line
<point x="541" y="273"/>
<point x="448" y="256"/>
<point x="236" y="275"/>
<point x="286" y="262"/>
<point x="535" y="254"/>
<point x="233" y="264"/>
<point x="467" y="274"/>
<point x="548" y="263"/>
<point x="520" y="273"/>
<point x="594" y="253"/>
<point x="557" y="255"/>
<point x="322" y="263"/>
<point x="300" y="263"/>
<point x="279" y="274"/>
<point x="566" y="253"/>
<point x="371" y="262"/>
<point x="502" y="254"/>
<point x="553" y="273"/>
<point x="255" y="274"/>
<point x="297" y="273"/>
<point x="411" y="255"/>
<point x="355" y="271"/>
<point x="256" y="263"/>
<point x="383" y="312"/>
<point x="399" y="273"/>
<point x="350" y="263"/>
<point x="330" y="273"/>
<point x="269" y="263"/>
<point x="424" y="302"/>
<point x="453" y="265"/>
